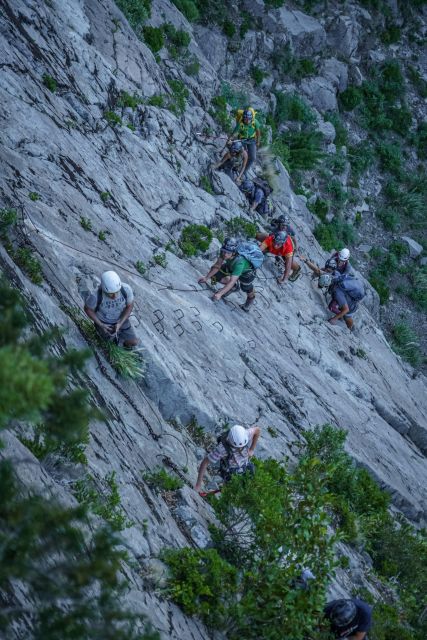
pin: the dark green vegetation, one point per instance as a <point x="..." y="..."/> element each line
<point x="49" y="82"/>
<point x="195" y="238"/>
<point x="68" y="568"/>
<point x="160" y="480"/>
<point x="136" y="12"/>
<point x="275" y="523"/>
<point x="21" y="254"/>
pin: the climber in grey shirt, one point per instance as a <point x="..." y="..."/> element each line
<point x="110" y="307"/>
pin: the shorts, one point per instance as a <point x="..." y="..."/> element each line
<point x="246" y="279"/>
<point x="126" y="333"/>
<point x="334" y="307"/>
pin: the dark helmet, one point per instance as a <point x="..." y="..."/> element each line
<point x="236" y="147"/>
<point x="281" y="221"/>
<point x="247" y="116"/>
<point x="229" y="245"/>
<point x="325" y="280"/>
<point x="280" y="237"/>
<point x="247" y="186"/>
<point x="343" y="613"/>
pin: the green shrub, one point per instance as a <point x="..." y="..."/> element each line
<point x="392" y="82"/>
<point x="417" y="80"/>
<point x="229" y="28"/>
<point x="160" y="259"/>
<point x="161" y="480"/>
<point x="391" y="34"/>
<point x="405" y="343"/>
<point x="299" y="149"/>
<point x="136" y="12"/>
<point x="421" y="141"/>
<point x="334" y="235"/>
<point x="177" y="39"/>
<point x="240" y="226"/>
<point x="246" y="24"/>
<point x="337" y="191"/>
<point x="215" y="11"/>
<point x="206" y="184"/>
<point x="140" y="267"/>
<point x="126" y="100"/>
<point x="195" y="238"/>
<point x="25" y="258"/>
<point x="350" y="98"/>
<point x="272" y="524"/>
<point x="287" y="64"/>
<point x="361" y="157"/>
<point x="105" y="196"/>
<point x="105" y="504"/>
<point x="390" y="155"/>
<point x="153" y="38"/>
<point x="389" y="217"/>
<point x="8" y="218"/>
<point x="179" y="97"/>
<point x="320" y="208"/>
<point x="292" y="107"/>
<point x="188" y="8"/>
<point x="401" y="120"/>
<point x="86" y="223"/>
<point x="49" y="82"/>
<point x="258" y="75"/>
<point x="156" y="101"/>
<point x="112" y="118"/>
<point x="192" y="68"/>
<point x="34" y="196"/>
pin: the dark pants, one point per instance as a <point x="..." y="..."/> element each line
<point x="250" y="146"/>
<point x="227" y="473"/>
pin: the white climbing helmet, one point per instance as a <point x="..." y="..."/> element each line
<point x="344" y="255"/>
<point x="238" y="436"/>
<point x="110" y="282"/>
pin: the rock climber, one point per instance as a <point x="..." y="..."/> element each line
<point x="281" y="223"/>
<point x="346" y="292"/>
<point x="349" y="618"/>
<point x="234" y="162"/>
<point x="234" y="271"/>
<point x="247" y="130"/>
<point x="257" y="197"/>
<point x="233" y="451"/>
<point x="280" y="244"/>
<point x="109" y="307"/>
<point x="337" y="262"/>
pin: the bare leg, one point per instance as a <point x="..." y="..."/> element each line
<point x="349" y="322"/>
<point x="261" y="236"/>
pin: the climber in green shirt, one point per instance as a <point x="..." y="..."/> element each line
<point x="248" y="130"/>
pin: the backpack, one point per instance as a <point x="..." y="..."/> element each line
<point x="352" y="286"/>
<point x="99" y="297"/>
<point x="263" y="184"/>
<point x="239" y="114"/>
<point x="252" y="253"/>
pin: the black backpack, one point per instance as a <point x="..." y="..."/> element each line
<point x="263" y="184"/>
<point x="99" y="297"/>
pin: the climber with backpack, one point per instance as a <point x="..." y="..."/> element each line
<point x="281" y="223"/>
<point x="346" y="292"/>
<point x="109" y="307"/>
<point x="280" y="244"/>
<point x="234" y="449"/>
<point x="234" y="162"/>
<point x="235" y="268"/>
<point x="248" y="131"/>
<point x="257" y="193"/>
<point x="349" y="618"/>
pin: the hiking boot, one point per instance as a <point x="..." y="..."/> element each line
<point x="246" y="307"/>
<point x="295" y="274"/>
<point x="232" y="290"/>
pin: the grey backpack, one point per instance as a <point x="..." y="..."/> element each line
<point x="352" y="286"/>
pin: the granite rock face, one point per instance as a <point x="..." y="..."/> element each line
<point x="282" y="364"/>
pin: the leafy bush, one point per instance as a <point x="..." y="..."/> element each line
<point x="212" y="11"/>
<point x="179" y="97"/>
<point x="153" y="38"/>
<point x="156" y="101"/>
<point x="8" y="218"/>
<point x="340" y="129"/>
<point x="390" y="155"/>
<point x="334" y="235"/>
<point x="292" y="107"/>
<point x="228" y="28"/>
<point x="25" y="258"/>
<point x="161" y="480"/>
<point x="405" y="343"/>
<point x="105" y="504"/>
<point x="240" y="226"/>
<point x="272" y="525"/>
<point x="206" y="184"/>
<point x="49" y="82"/>
<point x="378" y="281"/>
<point x="112" y="118"/>
<point x="136" y="12"/>
<point x="287" y="64"/>
<point x="188" y="8"/>
<point x="195" y="238"/>
<point x="126" y="100"/>
<point x="350" y="98"/>
<point x="417" y="80"/>
<point x="320" y="208"/>
<point x="299" y="149"/>
<point x="389" y="217"/>
<point x="177" y="40"/>
<point x="192" y="68"/>
<point x="140" y="267"/>
<point x="86" y="223"/>
<point x="421" y="141"/>
<point x="258" y="75"/>
<point x="361" y="157"/>
<point x="391" y="34"/>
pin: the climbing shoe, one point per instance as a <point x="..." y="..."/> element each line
<point x="295" y="274"/>
<point x="247" y="305"/>
<point x="232" y="290"/>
